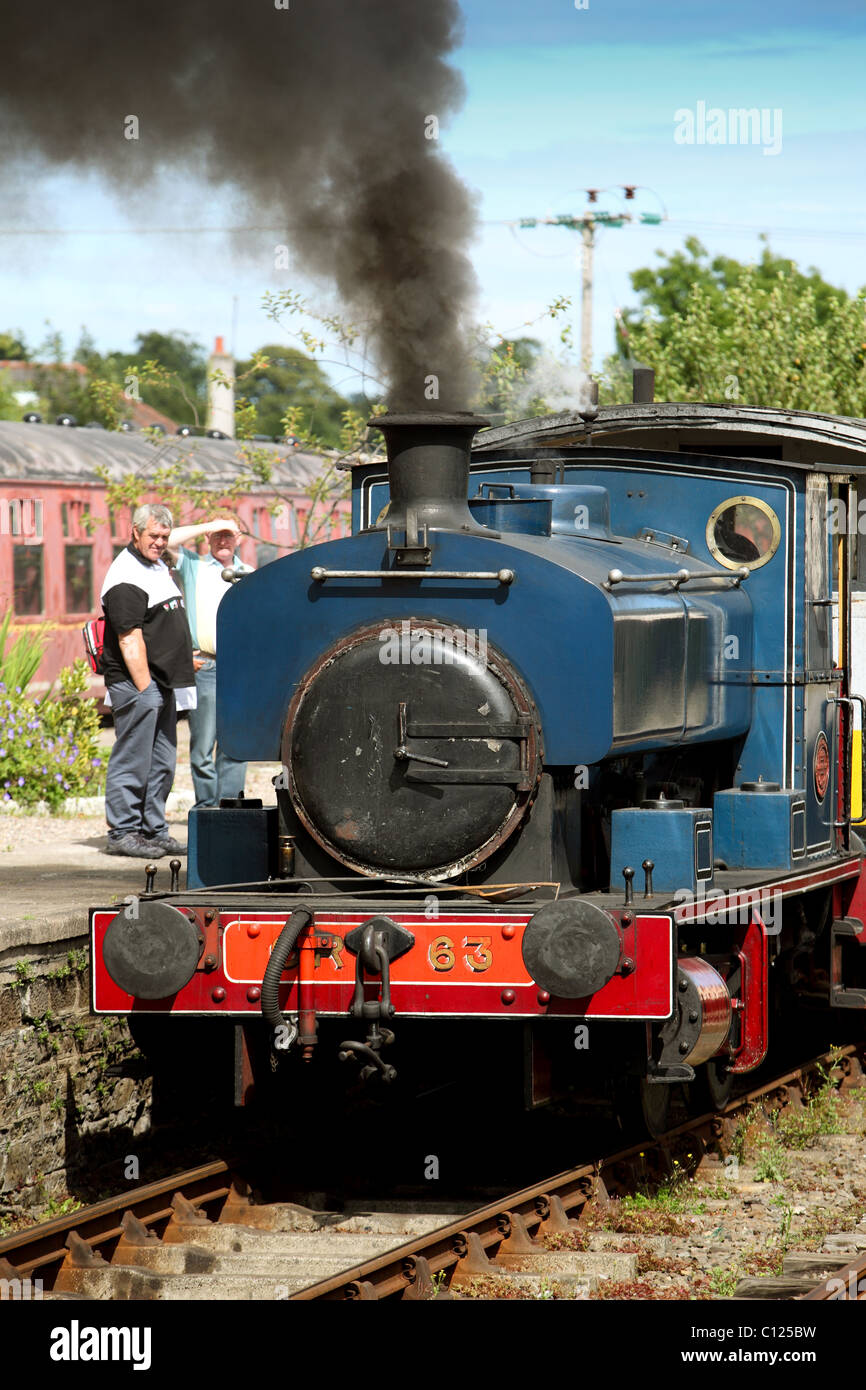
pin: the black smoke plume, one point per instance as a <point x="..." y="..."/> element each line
<point x="316" y="113"/>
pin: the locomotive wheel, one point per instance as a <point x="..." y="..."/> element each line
<point x="643" y="1109"/>
<point x="655" y="1104"/>
<point x="713" y="1085"/>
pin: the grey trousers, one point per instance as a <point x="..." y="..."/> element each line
<point x="211" y="780"/>
<point x="143" y="759"/>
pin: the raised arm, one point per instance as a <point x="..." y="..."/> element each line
<point x="181" y="534"/>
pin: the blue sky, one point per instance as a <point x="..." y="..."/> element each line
<point x="557" y="100"/>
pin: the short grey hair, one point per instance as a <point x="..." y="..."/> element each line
<point x="143" y="514"/>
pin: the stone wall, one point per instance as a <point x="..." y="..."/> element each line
<point x="75" y="1096"/>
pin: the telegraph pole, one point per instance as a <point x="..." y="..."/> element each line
<point x="586" y="223"/>
<point x="588" y="237"/>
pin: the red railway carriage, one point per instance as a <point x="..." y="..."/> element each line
<point x="58" y="535"/>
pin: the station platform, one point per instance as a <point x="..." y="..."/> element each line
<point x="54" y="868"/>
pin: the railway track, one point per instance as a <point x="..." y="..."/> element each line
<point x="203" y="1235"/>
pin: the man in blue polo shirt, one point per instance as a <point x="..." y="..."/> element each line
<point x="204" y="587"/>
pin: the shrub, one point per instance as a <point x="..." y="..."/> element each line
<point x="19" y="660"/>
<point x="48" y="747"/>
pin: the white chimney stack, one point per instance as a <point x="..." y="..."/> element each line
<point x="221" y="396"/>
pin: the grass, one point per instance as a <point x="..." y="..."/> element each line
<point x="766" y="1140"/>
<point x="60" y="1207"/>
<point x="771" y="1165"/>
<point x="822" y="1114"/>
<point x="636" y="1290"/>
<point x="75" y="964"/>
<point x="825" y="1221"/>
<point x="497" y="1287"/>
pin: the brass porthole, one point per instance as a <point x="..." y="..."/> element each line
<point x="743" y="531"/>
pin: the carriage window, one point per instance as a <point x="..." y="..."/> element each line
<point x="27" y="580"/>
<point x="743" y="531"/>
<point x="79" y="579"/>
<point x="265" y="554"/>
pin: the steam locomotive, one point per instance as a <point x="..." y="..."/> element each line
<point x="568" y="742"/>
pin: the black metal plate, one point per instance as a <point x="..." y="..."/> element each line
<point x="153" y="952"/>
<point x="381" y="811"/>
<point x="396" y="939"/>
<point x="571" y="949"/>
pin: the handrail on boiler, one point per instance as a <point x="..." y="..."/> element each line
<point x="733" y="579"/>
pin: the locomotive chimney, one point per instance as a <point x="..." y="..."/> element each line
<point x="428" y="470"/>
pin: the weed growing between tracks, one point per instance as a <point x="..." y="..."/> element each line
<point x="826" y="1220"/>
<point x="502" y="1290"/>
<point x="688" y="1226"/>
<point x="634" y="1290"/>
<point x="765" y="1137"/>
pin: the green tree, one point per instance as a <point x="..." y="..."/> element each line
<point x="763" y="334"/>
<point x="664" y="289"/>
<point x="61" y="389"/>
<point x="13" y="347"/>
<point x="284" y="378"/>
<point x="9" y="407"/>
<point x="503" y="372"/>
<point x="180" y="390"/>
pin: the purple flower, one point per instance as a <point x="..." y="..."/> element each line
<point x="45" y="772"/>
<point x="2" y="752"/>
<point x="6" y="796"/>
<point x="21" y="781"/>
<point x="57" y="777"/>
<point x="97" y="762"/>
<point x="29" y="743"/>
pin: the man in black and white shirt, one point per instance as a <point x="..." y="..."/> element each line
<point x="147" y="662"/>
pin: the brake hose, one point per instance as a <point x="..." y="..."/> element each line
<point x="283" y="948"/>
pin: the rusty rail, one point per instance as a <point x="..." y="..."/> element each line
<point x="550" y="1206"/>
<point x="504" y="1227"/>
<point x="41" y="1249"/>
<point x="852" y="1278"/>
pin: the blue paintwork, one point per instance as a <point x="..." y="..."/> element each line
<point x="229" y="845"/>
<point x="278" y="621"/>
<point x="677" y="497"/>
<point x="679" y="843"/>
<point x="555" y="623"/>
<point x="760" y="830"/>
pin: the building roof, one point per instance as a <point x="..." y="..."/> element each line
<point x="798" y="435"/>
<point x="23" y="367"/>
<point x="58" y="453"/>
